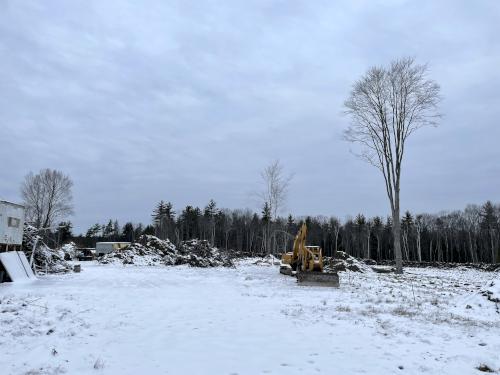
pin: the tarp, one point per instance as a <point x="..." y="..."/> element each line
<point x="17" y="266"/>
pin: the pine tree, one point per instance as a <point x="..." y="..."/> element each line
<point x="209" y="216"/>
<point x="64" y="232"/>
<point x="128" y="232"/>
<point x="163" y="219"/>
<point x="266" y="230"/>
<point x="489" y="224"/>
<point x="108" y="229"/>
<point x="93" y="231"/>
<point x="266" y="213"/>
<point x="406" y="226"/>
<point x="116" y="230"/>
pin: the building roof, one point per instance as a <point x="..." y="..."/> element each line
<point x="12" y="204"/>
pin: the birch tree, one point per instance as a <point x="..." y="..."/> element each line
<point x="386" y="106"/>
<point x="273" y="197"/>
<point x="275" y="190"/>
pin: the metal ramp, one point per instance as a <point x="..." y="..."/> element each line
<point x="16" y="266"/>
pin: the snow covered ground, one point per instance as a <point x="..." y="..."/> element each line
<point x="248" y="320"/>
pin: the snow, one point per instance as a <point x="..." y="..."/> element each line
<point x="248" y="320"/>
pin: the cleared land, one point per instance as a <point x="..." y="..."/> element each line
<point x="247" y="320"/>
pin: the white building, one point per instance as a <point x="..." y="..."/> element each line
<point x="102" y="248"/>
<point x="11" y="226"/>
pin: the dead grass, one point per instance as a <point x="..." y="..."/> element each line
<point x="343" y="308"/>
<point x="484" y="368"/>
<point x="403" y="311"/>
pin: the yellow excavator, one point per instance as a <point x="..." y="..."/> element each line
<point x="306" y="263"/>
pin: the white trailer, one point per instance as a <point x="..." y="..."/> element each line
<point x="102" y="248"/>
<point x="11" y="225"/>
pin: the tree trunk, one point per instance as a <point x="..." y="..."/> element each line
<point x="396" y="231"/>
<point x="419" y="246"/>
<point x="471" y="248"/>
<point x="368" y="246"/>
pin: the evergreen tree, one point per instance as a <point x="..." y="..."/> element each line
<point x="489" y="224"/>
<point x="108" y="230"/>
<point x="149" y="230"/>
<point x="129" y="232"/>
<point x="64" y="232"/>
<point x="93" y="231"/>
<point x="209" y="217"/>
<point x="163" y="219"/>
<point x="116" y="231"/>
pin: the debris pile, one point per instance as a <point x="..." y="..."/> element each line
<point x="268" y="260"/>
<point x="69" y="251"/>
<point x="343" y="262"/>
<point x="150" y="251"/>
<point x="492" y="292"/>
<point x="489" y="267"/>
<point x="199" y="253"/>
<point x="46" y="260"/>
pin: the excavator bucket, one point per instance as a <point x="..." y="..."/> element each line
<point x="318" y="279"/>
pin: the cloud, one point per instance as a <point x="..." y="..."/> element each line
<point x="185" y="101"/>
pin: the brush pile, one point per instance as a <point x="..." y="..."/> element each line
<point x="344" y="262"/>
<point x="150" y="251"/>
<point x="46" y="260"/>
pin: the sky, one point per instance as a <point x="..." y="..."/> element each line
<point x="184" y="101"/>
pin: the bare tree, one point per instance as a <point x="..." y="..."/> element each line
<point x="386" y="106"/>
<point x="275" y="189"/>
<point x="335" y="226"/>
<point x="272" y="198"/>
<point x="47" y="197"/>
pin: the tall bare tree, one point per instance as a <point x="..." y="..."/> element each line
<point x="386" y="106"/>
<point x="47" y="197"/>
<point x="275" y="189"/>
<point x="273" y="197"/>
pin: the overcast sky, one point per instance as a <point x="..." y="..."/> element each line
<point x="189" y="100"/>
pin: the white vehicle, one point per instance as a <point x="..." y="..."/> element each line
<point x="11" y="226"/>
<point x="102" y="248"/>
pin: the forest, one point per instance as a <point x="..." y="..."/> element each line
<point x="468" y="235"/>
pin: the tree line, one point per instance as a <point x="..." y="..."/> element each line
<point x="469" y="235"/>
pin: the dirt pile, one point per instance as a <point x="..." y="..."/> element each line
<point x="344" y="262"/>
<point x="46" y="260"/>
<point x="150" y="251"/>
